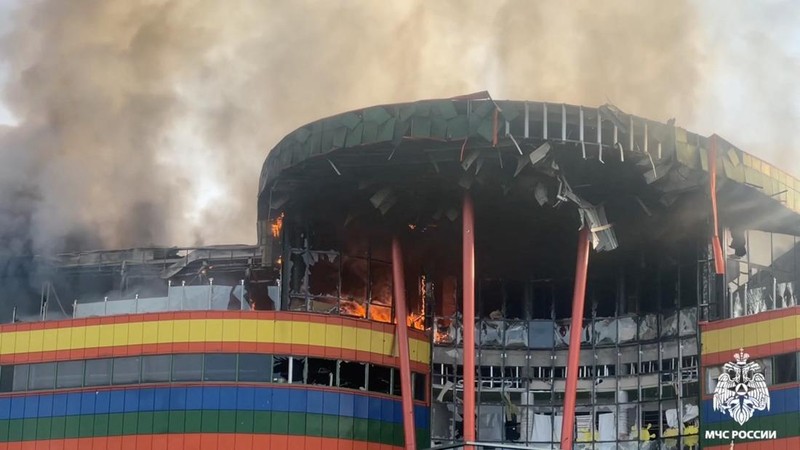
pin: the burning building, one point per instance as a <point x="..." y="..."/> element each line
<point x="519" y="274"/>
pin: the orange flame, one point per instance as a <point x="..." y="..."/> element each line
<point x="380" y="314"/>
<point x="352" y="308"/>
<point x="277" y="226"/>
<point x="416" y="321"/>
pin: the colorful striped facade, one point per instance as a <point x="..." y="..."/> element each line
<point x="765" y="337"/>
<point x="206" y="413"/>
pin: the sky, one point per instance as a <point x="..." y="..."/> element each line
<point x="210" y="89"/>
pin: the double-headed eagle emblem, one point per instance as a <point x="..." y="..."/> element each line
<point x="741" y="389"/>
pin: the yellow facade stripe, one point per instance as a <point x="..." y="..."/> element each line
<point x="209" y="330"/>
<point x="751" y="334"/>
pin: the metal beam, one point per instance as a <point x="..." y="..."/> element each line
<point x="573" y="358"/>
<point x="401" y="335"/>
<point x="468" y="256"/>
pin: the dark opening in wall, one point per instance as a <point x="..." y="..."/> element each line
<point x="542" y="301"/>
<point x="419" y="386"/>
<point x="280" y="369"/>
<point x="785" y="368"/>
<point x="515" y="299"/>
<point x="491" y="299"/>
<point x="379" y="379"/>
<point x="297" y="374"/>
<point x="352" y="375"/>
<point x="323" y="278"/>
<point x="321" y="372"/>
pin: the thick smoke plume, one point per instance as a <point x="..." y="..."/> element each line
<point x="146" y="121"/>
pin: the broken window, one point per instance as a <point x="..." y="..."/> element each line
<point x="491" y="299"/>
<point x="379" y="379"/>
<point x="786" y="368"/>
<point x="419" y="386"/>
<point x="297" y="373"/>
<point x="321" y="372"/>
<point x="280" y="369"/>
<point x="352" y="375"/>
<point x="323" y="277"/>
<point x="380" y="278"/>
<point x="355" y="273"/>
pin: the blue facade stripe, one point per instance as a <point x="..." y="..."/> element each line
<point x="782" y="401"/>
<point x="243" y="398"/>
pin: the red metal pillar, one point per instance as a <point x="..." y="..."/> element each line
<point x="578" y="297"/>
<point x="401" y="335"/>
<point x="468" y="243"/>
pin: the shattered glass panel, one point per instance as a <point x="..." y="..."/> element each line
<point x="297" y="304"/>
<point x="605" y="331"/>
<point x="323" y="277"/>
<point x="787" y="294"/>
<point x="688" y="321"/>
<point x="669" y="324"/>
<point x="516" y="334"/>
<point x="325" y="305"/>
<point x="758" y="297"/>
<point x="297" y="273"/>
<point x="562" y="332"/>
<point x="445" y="332"/>
<point x="491" y="332"/>
<point x="626" y="328"/>
<point x="648" y="327"/>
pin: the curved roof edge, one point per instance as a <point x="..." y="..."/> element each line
<point x="478" y="116"/>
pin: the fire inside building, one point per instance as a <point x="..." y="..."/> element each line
<point x="439" y="274"/>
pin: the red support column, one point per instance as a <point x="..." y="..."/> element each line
<point x="401" y="335"/>
<point x="578" y="297"/>
<point x="468" y="242"/>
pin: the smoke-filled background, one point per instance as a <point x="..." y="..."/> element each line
<point x="138" y="122"/>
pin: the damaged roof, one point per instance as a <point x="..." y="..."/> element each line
<point x="672" y="160"/>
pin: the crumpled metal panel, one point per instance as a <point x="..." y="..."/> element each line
<point x="491" y="332"/>
<point x="516" y="334"/>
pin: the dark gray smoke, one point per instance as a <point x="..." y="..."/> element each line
<point x="146" y="122"/>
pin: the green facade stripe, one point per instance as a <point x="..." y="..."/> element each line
<point x="786" y="425"/>
<point x="205" y="421"/>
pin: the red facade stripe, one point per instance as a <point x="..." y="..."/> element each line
<point x="761" y="317"/>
